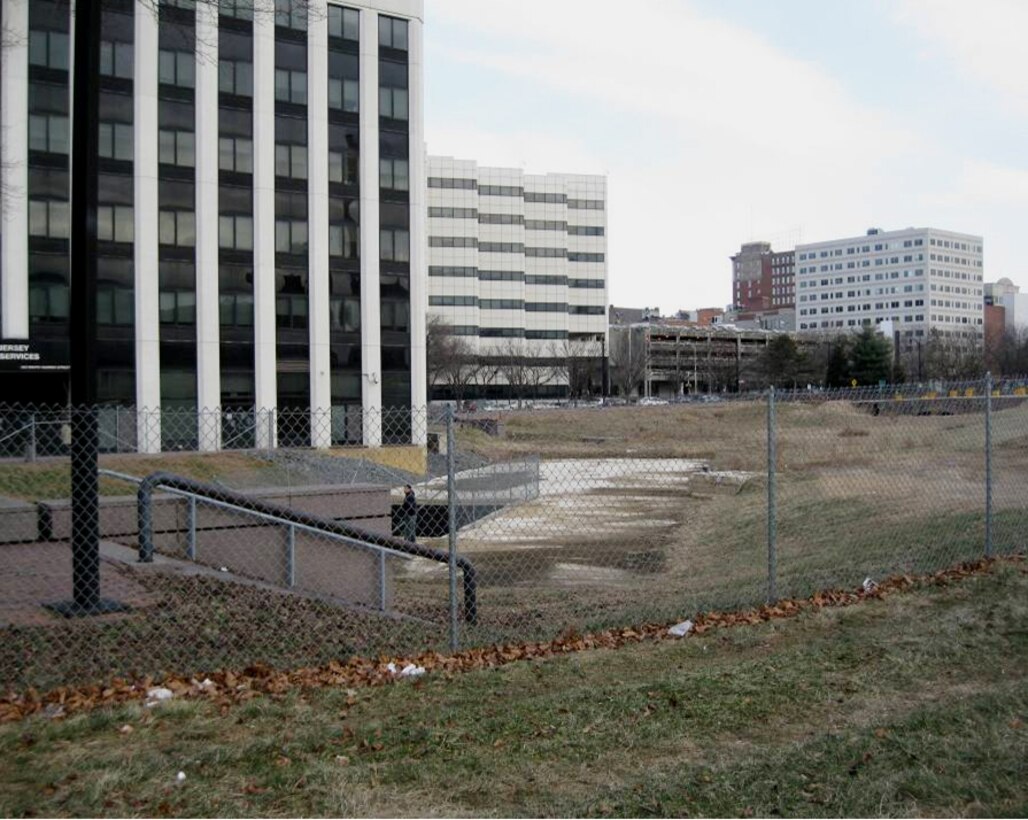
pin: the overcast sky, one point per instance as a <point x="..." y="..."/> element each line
<point x="724" y="121"/>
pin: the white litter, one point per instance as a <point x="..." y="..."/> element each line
<point x="224" y="569"/>
<point x="207" y="683"/>
<point x="681" y="630"/>
<point x="409" y="671"/>
<point x="157" y="695"/>
<point x="869" y="585"/>
<point x="180" y="777"/>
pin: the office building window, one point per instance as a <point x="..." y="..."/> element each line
<point x="235" y="154"/>
<point x="291" y="310"/>
<point x="114" y="305"/>
<point x="116" y="59"/>
<point x="291" y="161"/>
<point x="178" y="307"/>
<point x="177" y="228"/>
<point x="343" y="23"/>
<point x="236" y="309"/>
<point x="235" y="232"/>
<point x="291" y="236"/>
<point x="239" y="9"/>
<point x="176" y="68"/>
<point x="49" y="218"/>
<point x="176" y="148"/>
<point x="342" y="168"/>
<point x="48" y="49"/>
<point x="392" y="102"/>
<point x="394" y="245"/>
<point x="235" y="77"/>
<point x="48" y="301"/>
<point x="114" y="223"/>
<point x="394" y="174"/>
<point x="343" y="240"/>
<point x="344" y="94"/>
<point x="291" y="14"/>
<point x="345" y="314"/>
<point x="453" y="182"/>
<point x="392" y="33"/>
<point x="291" y="86"/>
<point x="48" y="132"/>
<point x="452" y="301"/>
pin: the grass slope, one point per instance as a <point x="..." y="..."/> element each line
<point x="913" y="705"/>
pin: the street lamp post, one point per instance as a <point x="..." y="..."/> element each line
<point x="85" y="438"/>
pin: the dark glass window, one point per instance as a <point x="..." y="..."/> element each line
<point x="176" y="147"/>
<point x="343" y="23"/>
<point x="176" y="68"/>
<point x="291" y="14"/>
<point x="235" y="77"/>
<point x="392" y="33"/>
<point x="116" y="59"/>
<point x="48" y="49"/>
<point x="48" y="132"/>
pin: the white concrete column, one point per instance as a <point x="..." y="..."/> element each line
<point x="264" y="225"/>
<point x="371" y="320"/>
<point x="147" y="285"/>
<point x="317" y="230"/>
<point x="14" y="176"/>
<point x="208" y="321"/>
<point x="418" y="239"/>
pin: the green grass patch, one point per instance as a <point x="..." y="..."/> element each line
<point x="912" y="705"/>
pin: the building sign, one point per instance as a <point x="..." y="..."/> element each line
<point x="28" y="355"/>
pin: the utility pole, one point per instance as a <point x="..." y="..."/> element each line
<point x="85" y="438"/>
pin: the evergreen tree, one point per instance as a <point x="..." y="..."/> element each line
<point x="871" y="358"/>
<point x="837" y="373"/>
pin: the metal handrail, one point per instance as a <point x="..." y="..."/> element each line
<point x="284" y="516"/>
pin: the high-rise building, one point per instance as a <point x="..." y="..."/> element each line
<point x="919" y="279"/>
<point x="517" y="264"/>
<point x="764" y="286"/>
<point x="261" y="211"/>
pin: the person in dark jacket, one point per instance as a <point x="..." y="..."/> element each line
<point x="409" y="514"/>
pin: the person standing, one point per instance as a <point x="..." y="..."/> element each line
<point x="409" y="514"/>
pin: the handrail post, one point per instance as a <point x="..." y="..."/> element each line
<point x="144" y="496"/>
<point x="191" y="528"/>
<point x="290" y="556"/>
<point x="382" y="581"/>
<point x="988" y="465"/>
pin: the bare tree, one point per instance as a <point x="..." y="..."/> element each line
<point x="451" y="359"/>
<point x="627" y="359"/>
<point x="512" y="361"/>
<point x="578" y="362"/>
<point x="952" y="357"/>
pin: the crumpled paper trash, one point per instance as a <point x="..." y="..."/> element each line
<point x="681" y="630"/>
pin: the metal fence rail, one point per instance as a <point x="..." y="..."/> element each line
<point x="560" y="519"/>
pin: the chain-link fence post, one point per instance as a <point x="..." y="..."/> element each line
<point x="988" y="465"/>
<point x="30" y="449"/>
<point x="451" y="510"/>
<point x="772" y="510"/>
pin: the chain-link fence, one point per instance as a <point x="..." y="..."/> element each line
<point x="292" y="538"/>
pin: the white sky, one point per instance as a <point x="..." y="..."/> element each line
<point x="724" y="121"/>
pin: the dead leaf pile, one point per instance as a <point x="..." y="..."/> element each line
<point x="228" y="687"/>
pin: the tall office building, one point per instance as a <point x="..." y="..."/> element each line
<point x="917" y="279"/>
<point x="518" y="263"/>
<point x="764" y="287"/>
<point x="261" y="212"/>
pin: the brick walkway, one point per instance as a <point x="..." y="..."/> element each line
<point x="35" y="574"/>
